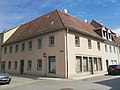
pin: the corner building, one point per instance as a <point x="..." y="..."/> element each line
<point x="56" y="45"/>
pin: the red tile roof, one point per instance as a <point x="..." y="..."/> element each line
<point x="97" y="25"/>
<point x="52" y="21"/>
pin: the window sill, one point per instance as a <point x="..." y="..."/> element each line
<point x="39" y="68"/>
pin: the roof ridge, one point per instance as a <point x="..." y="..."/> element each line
<point x="60" y="17"/>
<point x="97" y="23"/>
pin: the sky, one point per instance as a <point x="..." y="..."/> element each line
<point x="17" y="12"/>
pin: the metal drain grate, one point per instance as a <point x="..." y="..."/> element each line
<point x="66" y="89"/>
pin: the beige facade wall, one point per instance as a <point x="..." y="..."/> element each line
<point x="9" y="33"/>
<point x="65" y="52"/>
<point x="83" y="51"/>
<point x="35" y="53"/>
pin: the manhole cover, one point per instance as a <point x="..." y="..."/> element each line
<point x="66" y="89"/>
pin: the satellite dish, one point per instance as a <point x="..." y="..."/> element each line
<point x="86" y="20"/>
<point x="65" y="10"/>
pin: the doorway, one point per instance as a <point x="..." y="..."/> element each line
<point x="22" y="67"/>
<point x="107" y="64"/>
<point x="3" y="65"/>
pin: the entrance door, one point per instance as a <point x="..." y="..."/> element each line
<point x="3" y="65"/>
<point x="107" y="64"/>
<point x="21" y="66"/>
<point x="52" y="64"/>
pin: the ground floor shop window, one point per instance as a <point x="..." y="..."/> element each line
<point x="99" y="64"/>
<point x="52" y="64"/>
<point x="78" y="64"/>
<point x="88" y="64"/>
<point x="95" y="64"/>
<point x="85" y="64"/>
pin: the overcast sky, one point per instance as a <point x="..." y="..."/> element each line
<point x="17" y="12"/>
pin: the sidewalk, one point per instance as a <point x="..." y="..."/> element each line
<point x="34" y="77"/>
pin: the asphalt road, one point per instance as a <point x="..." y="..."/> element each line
<point x="104" y="82"/>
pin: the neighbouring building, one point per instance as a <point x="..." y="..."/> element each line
<point x="111" y="47"/>
<point x="1" y="42"/>
<point x="4" y="36"/>
<point x="116" y="38"/>
<point x="57" y="45"/>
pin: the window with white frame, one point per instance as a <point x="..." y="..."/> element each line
<point x="77" y="41"/>
<point x="51" y="40"/>
<point x="39" y="43"/>
<point x="39" y="64"/>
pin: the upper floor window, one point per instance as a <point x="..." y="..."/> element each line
<point x="23" y="47"/>
<point x="104" y="33"/>
<point x="106" y="48"/>
<point x="40" y="43"/>
<point x="5" y="50"/>
<point x="51" y="40"/>
<point x="89" y="44"/>
<point x="98" y="45"/>
<point x="119" y="49"/>
<point x="109" y="35"/>
<point x="16" y="48"/>
<point x="30" y="45"/>
<point x="77" y="41"/>
<point x="114" y="49"/>
<point x="110" y="48"/>
<point x="10" y="51"/>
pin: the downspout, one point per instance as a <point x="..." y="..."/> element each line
<point x="118" y="54"/>
<point x="67" y="30"/>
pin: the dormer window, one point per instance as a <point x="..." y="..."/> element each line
<point x="109" y="35"/>
<point x="104" y="33"/>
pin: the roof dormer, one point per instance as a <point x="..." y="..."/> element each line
<point x="109" y="35"/>
<point x="104" y="33"/>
